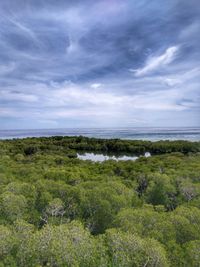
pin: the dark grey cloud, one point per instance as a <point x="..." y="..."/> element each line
<point x="124" y="62"/>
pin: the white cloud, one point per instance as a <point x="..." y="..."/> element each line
<point x="96" y="85"/>
<point x="156" y="62"/>
<point x="71" y="99"/>
<point x="77" y="103"/>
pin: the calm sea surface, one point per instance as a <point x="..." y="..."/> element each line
<point x="152" y="134"/>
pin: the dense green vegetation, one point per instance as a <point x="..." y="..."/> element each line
<point x="56" y="210"/>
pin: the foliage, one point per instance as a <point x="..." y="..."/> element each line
<point x="57" y="210"/>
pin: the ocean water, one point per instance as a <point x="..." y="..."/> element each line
<point x="145" y="133"/>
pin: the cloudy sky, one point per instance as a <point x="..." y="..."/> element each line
<point x="103" y="63"/>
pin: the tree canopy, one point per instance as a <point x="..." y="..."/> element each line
<point x="58" y="210"/>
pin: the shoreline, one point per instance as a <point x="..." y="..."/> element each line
<point x="152" y="134"/>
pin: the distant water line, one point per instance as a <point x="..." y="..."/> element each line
<point x="137" y="133"/>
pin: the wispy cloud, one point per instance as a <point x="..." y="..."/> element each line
<point x="66" y="64"/>
<point x="154" y="63"/>
<point x="24" y="29"/>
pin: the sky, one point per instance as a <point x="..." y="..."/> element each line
<point x="103" y="63"/>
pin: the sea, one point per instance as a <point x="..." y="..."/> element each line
<point x="139" y="133"/>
